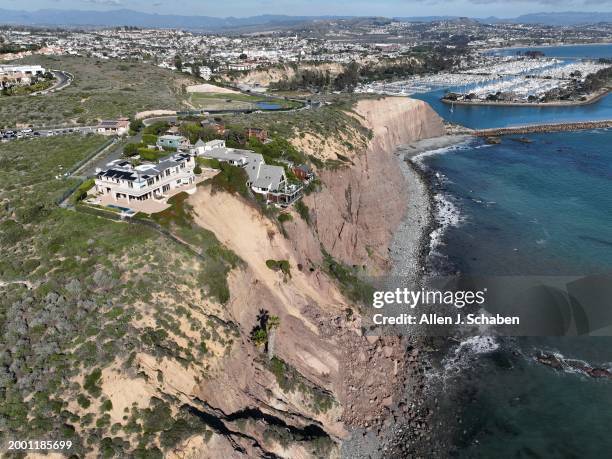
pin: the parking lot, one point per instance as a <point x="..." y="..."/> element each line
<point x="14" y="134"/>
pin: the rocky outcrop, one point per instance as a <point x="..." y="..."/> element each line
<point x="361" y="205"/>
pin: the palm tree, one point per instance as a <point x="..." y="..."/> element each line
<point x="271" y="326"/>
<point x="262" y="318"/>
<point x="259" y="336"/>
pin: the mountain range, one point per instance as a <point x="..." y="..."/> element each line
<point x="124" y="17"/>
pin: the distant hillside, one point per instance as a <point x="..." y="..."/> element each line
<point x="562" y="19"/>
<point x="124" y="17"/>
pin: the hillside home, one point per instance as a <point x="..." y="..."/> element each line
<point x="123" y="183"/>
<point x="219" y="128"/>
<point x="113" y="127"/>
<point x="267" y="180"/>
<point x="303" y="172"/>
<point x="259" y="134"/>
<point x="19" y="74"/>
<point x="173" y="142"/>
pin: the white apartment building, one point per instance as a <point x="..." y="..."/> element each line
<point x="19" y="74"/>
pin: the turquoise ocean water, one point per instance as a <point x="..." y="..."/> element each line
<point x="541" y="208"/>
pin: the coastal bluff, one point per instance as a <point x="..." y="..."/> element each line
<point x="361" y="205"/>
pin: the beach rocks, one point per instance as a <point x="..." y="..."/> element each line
<point x="560" y="363"/>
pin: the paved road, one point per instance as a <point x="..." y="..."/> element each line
<point x="115" y="151"/>
<point x="64" y="79"/>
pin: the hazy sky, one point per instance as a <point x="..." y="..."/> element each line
<point x="474" y="8"/>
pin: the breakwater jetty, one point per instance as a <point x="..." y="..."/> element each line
<point x="537" y="128"/>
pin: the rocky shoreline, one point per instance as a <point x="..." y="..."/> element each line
<point x="407" y="430"/>
<point x="413" y="435"/>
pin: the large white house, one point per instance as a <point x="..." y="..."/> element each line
<point x="125" y="183"/>
<point x="19" y="74"/>
<point x="267" y="180"/>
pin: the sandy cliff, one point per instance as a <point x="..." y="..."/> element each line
<point x="331" y="379"/>
<point x="361" y="205"/>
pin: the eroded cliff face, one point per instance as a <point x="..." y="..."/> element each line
<point x="263" y="77"/>
<point x="325" y="377"/>
<point x="361" y="205"/>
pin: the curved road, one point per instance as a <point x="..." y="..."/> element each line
<point x="64" y="79"/>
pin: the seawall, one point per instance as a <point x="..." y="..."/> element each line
<point x="537" y="128"/>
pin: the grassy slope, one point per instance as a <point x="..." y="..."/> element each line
<point x="89" y="277"/>
<point x="101" y="89"/>
<point x="325" y="121"/>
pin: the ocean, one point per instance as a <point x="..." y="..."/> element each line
<point x="538" y="208"/>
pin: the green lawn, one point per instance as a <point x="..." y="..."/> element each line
<point x="101" y="89"/>
<point x="218" y="101"/>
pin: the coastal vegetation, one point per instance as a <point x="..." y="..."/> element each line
<point x="23" y="90"/>
<point x="73" y="290"/>
<point x="101" y="89"/>
<point x="279" y="265"/>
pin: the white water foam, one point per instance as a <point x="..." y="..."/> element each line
<point x="446" y="215"/>
<point x="420" y="158"/>
<point x="461" y="358"/>
<point x="468" y="350"/>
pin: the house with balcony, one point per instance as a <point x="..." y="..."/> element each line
<point x="144" y="187"/>
<point x="264" y="179"/>
<point x="19" y="74"/>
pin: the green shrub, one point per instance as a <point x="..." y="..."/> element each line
<point x="83" y="401"/>
<point x="211" y="163"/>
<point x="285" y="217"/>
<point x="136" y="125"/>
<point x="131" y="149"/>
<point x="147" y="154"/>
<point x="149" y="139"/>
<point x="232" y="179"/>
<point x="279" y="265"/>
<point x="197" y="169"/>
<point x="91" y="383"/>
<point x="303" y="211"/>
<point x="81" y="191"/>
<point x="157" y="128"/>
<point x="107" y="405"/>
